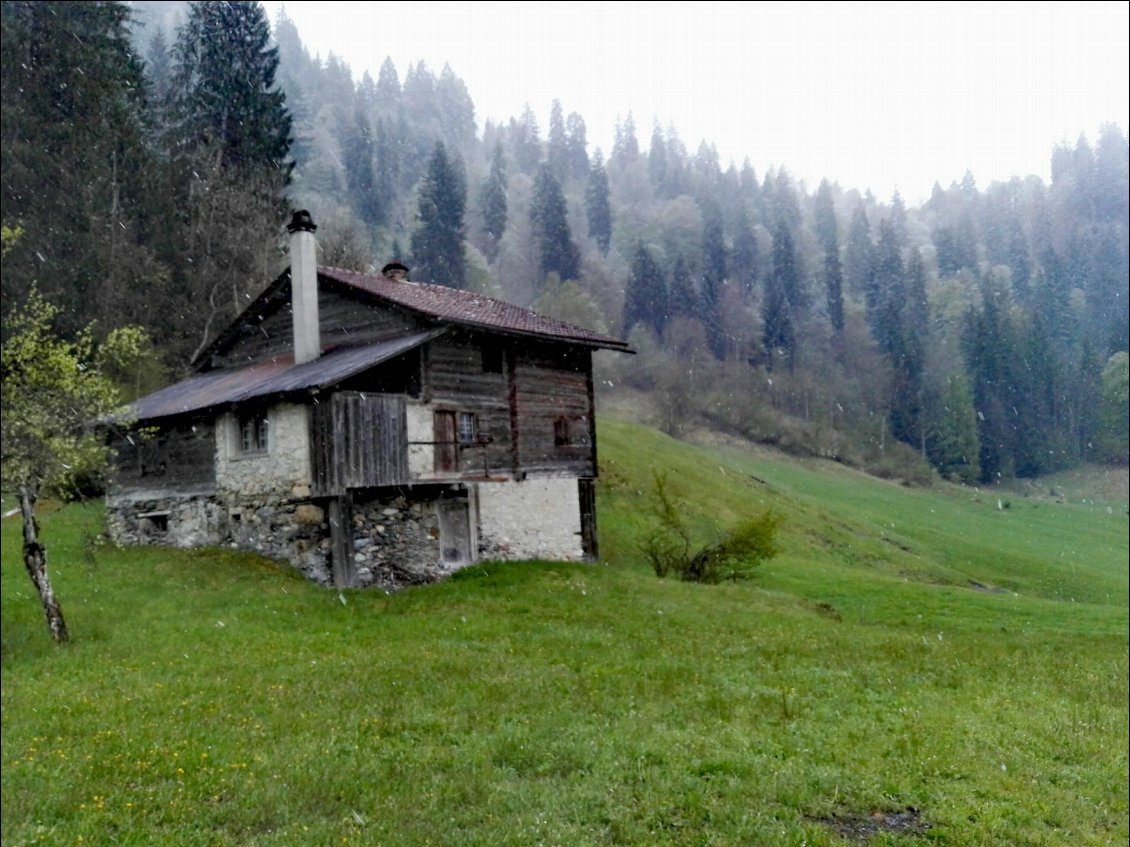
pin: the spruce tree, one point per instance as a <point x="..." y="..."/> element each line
<point x="576" y="146"/>
<point x="231" y="162"/>
<point x="645" y="293"/>
<point x="558" y="254"/>
<point x="525" y="141"/>
<point x="358" y="153"/>
<point x="493" y="202"/>
<point x="224" y="90"/>
<point x="859" y="254"/>
<point x="77" y="168"/>
<point x="598" y="209"/>
<point x="437" y="242"/>
<point x="557" y="149"/>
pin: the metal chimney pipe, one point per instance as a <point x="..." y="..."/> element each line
<point x="304" y="287"/>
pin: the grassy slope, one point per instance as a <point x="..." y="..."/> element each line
<point x="211" y="698"/>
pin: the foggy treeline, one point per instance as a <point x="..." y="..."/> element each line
<point x="151" y="152"/>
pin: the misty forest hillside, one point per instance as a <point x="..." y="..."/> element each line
<point x="151" y="152"/>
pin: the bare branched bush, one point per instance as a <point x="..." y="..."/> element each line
<point x="671" y="549"/>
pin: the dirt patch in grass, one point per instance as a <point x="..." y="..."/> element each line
<point x="862" y="827"/>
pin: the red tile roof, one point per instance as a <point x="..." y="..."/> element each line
<point x="467" y="308"/>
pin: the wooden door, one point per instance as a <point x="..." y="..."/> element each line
<point x="454" y="532"/>
<point x="446" y="449"/>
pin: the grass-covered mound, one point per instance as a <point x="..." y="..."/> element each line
<point x="915" y="667"/>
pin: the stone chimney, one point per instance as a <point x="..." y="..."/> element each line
<point x="304" y="288"/>
<point x="396" y="271"/>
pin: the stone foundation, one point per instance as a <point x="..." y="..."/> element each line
<point x="396" y="541"/>
<point x="396" y="533"/>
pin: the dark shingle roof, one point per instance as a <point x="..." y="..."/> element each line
<point x="467" y="308"/>
<point x="270" y="378"/>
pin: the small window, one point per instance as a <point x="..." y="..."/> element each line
<point x="253" y="432"/>
<point x="467" y="430"/>
<point x="492" y="359"/>
<point x="561" y="433"/>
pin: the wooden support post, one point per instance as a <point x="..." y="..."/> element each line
<point x="341" y="541"/>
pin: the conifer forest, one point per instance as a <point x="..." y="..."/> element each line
<point x="152" y="153"/>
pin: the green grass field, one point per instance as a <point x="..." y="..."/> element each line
<point x="943" y="666"/>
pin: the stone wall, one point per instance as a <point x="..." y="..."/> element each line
<point x="396" y="541"/>
<point x="282" y="528"/>
<point x="530" y="519"/>
<point x="284" y="465"/>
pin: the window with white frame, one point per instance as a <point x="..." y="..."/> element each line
<point x="467" y="429"/>
<point x="253" y="432"/>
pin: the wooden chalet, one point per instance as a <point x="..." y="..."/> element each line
<point x="371" y="430"/>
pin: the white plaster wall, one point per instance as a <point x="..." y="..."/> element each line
<point x="284" y="466"/>
<point x="530" y="519"/>
<point x="421" y="457"/>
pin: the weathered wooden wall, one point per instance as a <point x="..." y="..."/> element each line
<point x="358" y="441"/>
<point x="343" y="320"/>
<point x="179" y="456"/>
<point x="455" y="380"/>
<point x="553" y="383"/>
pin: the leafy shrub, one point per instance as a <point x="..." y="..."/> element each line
<point x="670" y="549"/>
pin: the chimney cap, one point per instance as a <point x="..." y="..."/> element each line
<point x="301" y="221"/>
<point x="395" y="270"/>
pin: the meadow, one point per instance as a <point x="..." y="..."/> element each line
<point x="942" y="666"/>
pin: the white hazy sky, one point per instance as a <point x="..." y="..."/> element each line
<point x="886" y="96"/>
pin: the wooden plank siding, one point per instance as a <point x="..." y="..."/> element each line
<point x="456" y="381"/>
<point x="343" y="321"/>
<point x="553" y="386"/>
<point x="358" y="441"/>
<point x="179" y="456"/>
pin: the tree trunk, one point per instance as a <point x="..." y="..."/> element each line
<point x="35" y="560"/>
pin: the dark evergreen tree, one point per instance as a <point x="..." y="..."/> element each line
<point x="389" y="96"/>
<point x="525" y="141"/>
<point x="557" y="149"/>
<point x="576" y="147"/>
<point x="713" y="277"/>
<point x="558" y="254"/>
<point x="625" y="146"/>
<point x="746" y="258"/>
<point x="859" y="254"/>
<point x="493" y="201"/>
<point x="437" y="242"/>
<point x="598" y="209"/>
<point x="987" y="340"/>
<point x="645" y="293"/>
<point x="827" y="233"/>
<point x="884" y="298"/>
<point x="683" y="300"/>
<point x="77" y="173"/>
<point x="906" y="308"/>
<point x="834" y="289"/>
<point x="231" y="164"/>
<point x="778" y="330"/>
<point x="358" y="154"/>
<point x="781" y="299"/>
<point x="224" y="93"/>
<point x="456" y="110"/>
<point x="657" y="162"/>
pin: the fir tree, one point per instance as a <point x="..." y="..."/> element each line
<point x="557" y="150"/>
<point x="645" y="293"/>
<point x="224" y="91"/>
<point x="576" y="146"/>
<point x="525" y="141"/>
<point x="558" y="254"/>
<point x="493" y="201"/>
<point x="437" y="242"/>
<point x="358" y="153"/>
<point x="859" y="254"/>
<point x="598" y="210"/>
